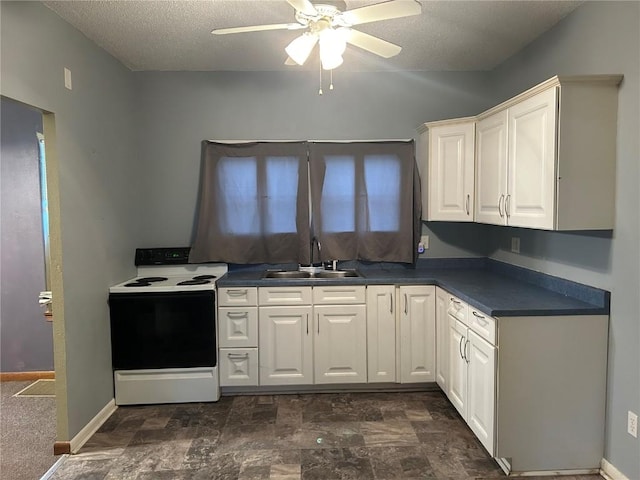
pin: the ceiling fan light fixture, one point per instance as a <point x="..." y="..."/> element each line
<point x="300" y="48"/>
<point x="332" y="45"/>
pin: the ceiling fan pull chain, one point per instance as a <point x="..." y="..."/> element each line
<point x="331" y="81"/>
<point x="320" y="90"/>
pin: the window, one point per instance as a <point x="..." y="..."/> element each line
<point x="255" y="202"/>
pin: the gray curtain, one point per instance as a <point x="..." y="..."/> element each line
<point x="254" y="204"/>
<point x="366" y="200"/>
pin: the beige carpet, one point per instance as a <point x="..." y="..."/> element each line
<point x="39" y="388"/>
<point x="27" y="433"/>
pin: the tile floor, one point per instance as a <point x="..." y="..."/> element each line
<point x="311" y="436"/>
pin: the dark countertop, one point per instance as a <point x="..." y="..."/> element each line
<point x="493" y="288"/>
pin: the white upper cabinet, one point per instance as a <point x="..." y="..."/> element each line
<point x="546" y="158"/>
<point x="446" y="155"/>
<point x="491" y="169"/>
<point x="531" y="161"/>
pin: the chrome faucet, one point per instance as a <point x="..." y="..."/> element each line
<point x="314" y="240"/>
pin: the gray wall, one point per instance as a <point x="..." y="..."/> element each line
<point x="26" y="339"/>
<point x="99" y="186"/>
<point x="600" y="37"/>
<point x="180" y="109"/>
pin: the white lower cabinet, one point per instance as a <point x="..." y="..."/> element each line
<point x="340" y="344"/>
<point x="417" y="333"/>
<point x="381" y="333"/>
<point x="472" y="371"/>
<point x="442" y="340"/>
<point x="481" y="389"/>
<point x="238" y="338"/>
<point x="238" y="367"/>
<point x="286" y="345"/>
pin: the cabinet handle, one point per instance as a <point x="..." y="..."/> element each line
<point x="391" y="303"/>
<point x="318" y="318"/>
<point x="460" y="347"/>
<point x="405" y="303"/>
<point x="481" y="318"/>
<point x="466" y="357"/>
<point x="237" y="356"/>
<point x="500" y="200"/>
<point x="237" y="314"/>
<point x="457" y="302"/>
<point x="236" y="293"/>
<point x="307" y="324"/>
<point x="467" y="206"/>
<point x="507" y="206"/>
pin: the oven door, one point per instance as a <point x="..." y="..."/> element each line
<point x="163" y="330"/>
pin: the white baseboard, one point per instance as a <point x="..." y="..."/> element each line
<point x="90" y="428"/>
<point x="610" y="472"/>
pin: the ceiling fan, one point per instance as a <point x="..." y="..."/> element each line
<point x="329" y="24"/>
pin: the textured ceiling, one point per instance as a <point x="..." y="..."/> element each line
<point x="175" y="35"/>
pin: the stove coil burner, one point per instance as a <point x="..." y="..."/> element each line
<point x="204" y="277"/>
<point x="194" y="281"/>
<point x="145" y="281"/>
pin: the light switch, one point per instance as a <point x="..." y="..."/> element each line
<point x="67" y="78"/>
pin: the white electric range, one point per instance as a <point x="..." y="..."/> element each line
<point x="163" y="330"/>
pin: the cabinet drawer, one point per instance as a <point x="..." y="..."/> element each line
<point x="238" y="366"/>
<point x="483" y="325"/>
<point x="284" y="296"/>
<point x="238" y="327"/>
<point x="458" y="309"/>
<point x="339" y="295"/>
<point x="236" y="297"/>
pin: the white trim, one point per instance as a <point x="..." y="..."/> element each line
<point x="47" y="475"/>
<point x="608" y="471"/>
<point x="94" y="424"/>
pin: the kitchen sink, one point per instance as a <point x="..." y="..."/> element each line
<point x="284" y="274"/>
<point x="337" y="274"/>
<point x="287" y="274"/>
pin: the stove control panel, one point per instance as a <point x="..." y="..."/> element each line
<point x="162" y="256"/>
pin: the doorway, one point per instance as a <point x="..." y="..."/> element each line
<point x="25" y="334"/>
<point x="26" y="337"/>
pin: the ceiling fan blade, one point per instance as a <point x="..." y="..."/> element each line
<point x="258" y="28"/>
<point x="382" y="11"/>
<point x="304" y="6"/>
<point x="372" y="44"/>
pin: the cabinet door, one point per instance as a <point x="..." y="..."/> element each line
<point x="285" y="345"/>
<point x="442" y="339"/>
<point x="491" y="169"/>
<point x="340" y="344"/>
<point x="457" y="366"/>
<point x="238" y="327"/>
<point x="451" y="172"/>
<point x="417" y="334"/>
<point x="238" y="366"/>
<point x="531" y="161"/>
<point x="481" y="392"/>
<point x="381" y="333"/>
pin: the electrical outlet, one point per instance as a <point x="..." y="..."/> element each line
<point x="424" y="240"/>
<point x="632" y="424"/>
<point x="515" y="244"/>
